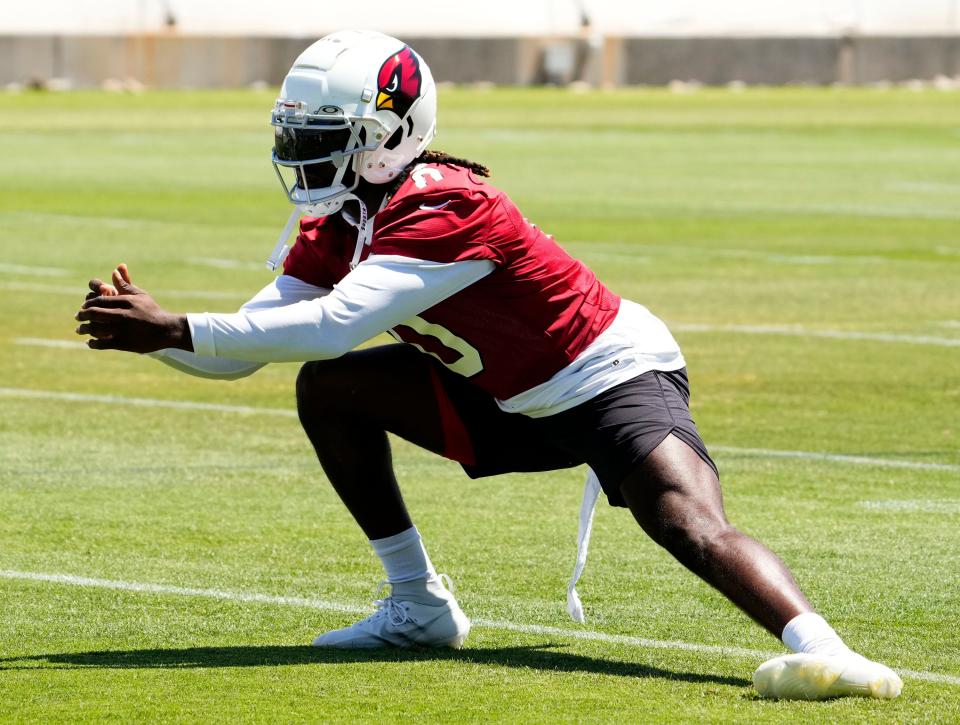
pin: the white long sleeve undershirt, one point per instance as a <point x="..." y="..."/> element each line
<point x="290" y="320"/>
<point x="283" y="290"/>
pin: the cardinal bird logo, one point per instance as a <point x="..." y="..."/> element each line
<point x="399" y="82"/>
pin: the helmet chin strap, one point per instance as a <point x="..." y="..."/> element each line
<point x="280" y="249"/>
<point x="363" y="237"/>
<point x="364" y="232"/>
<point x="364" y="227"/>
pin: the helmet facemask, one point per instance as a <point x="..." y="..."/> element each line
<point x="315" y="154"/>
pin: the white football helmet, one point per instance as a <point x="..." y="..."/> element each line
<point x="356" y="104"/>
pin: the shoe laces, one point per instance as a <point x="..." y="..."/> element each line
<point x="389" y="607"/>
<point x="397" y="611"/>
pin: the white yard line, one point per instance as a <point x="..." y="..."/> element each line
<point x="119" y="400"/>
<point x="839" y="458"/>
<point x="602" y="250"/>
<point x="326" y="605"/>
<point x="80" y="290"/>
<point x="113" y="222"/>
<point x="925" y="187"/>
<point x="290" y="413"/>
<point x="219" y="263"/>
<point x="33" y="271"/>
<point x="44" y="342"/>
<point x="926" y="506"/>
<point x="800" y="331"/>
<point x="858" y="210"/>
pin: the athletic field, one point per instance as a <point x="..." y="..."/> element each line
<point x="168" y="545"/>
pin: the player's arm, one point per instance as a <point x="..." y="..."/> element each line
<point x="379" y="294"/>
<point x="283" y="290"/>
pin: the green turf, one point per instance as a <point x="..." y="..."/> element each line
<point x="827" y="209"/>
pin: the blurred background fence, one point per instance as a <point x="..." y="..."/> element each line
<point x="204" y="44"/>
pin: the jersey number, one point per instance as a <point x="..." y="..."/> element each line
<point x="420" y="174"/>
<point x="453" y="351"/>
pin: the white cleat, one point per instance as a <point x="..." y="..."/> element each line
<point x="818" y="677"/>
<point x="401" y="622"/>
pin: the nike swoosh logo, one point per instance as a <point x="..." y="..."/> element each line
<point x="427" y="207"/>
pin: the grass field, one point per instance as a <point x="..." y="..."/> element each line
<point x="805" y="247"/>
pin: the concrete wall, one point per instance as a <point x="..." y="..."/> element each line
<point x="900" y="59"/>
<point x="769" y="61"/>
<point x="171" y="61"/>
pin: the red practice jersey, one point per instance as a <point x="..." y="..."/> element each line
<point x="507" y="332"/>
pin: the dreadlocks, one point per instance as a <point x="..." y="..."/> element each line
<point x="439" y="157"/>
<point x="442" y="157"/>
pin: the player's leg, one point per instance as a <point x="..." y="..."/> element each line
<point x="675" y="497"/>
<point x="346" y="407"/>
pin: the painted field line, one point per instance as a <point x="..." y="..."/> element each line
<point x="935" y="187"/>
<point x="114" y="222"/>
<point x="926" y="506"/>
<point x="220" y="263"/>
<point x="798" y="331"/>
<point x="83" y="581"/>
<point x="33" y="270"/>
<point x="143" y="402"/>
<point x="601" y="251"/>
<point x="80" y="290"/>
<point x="839" y="458"/>
<point x="326" y="605"/>
<point x="45" y="342"/>
<point x="290" y="413"/>
<point x="862" y="210"/>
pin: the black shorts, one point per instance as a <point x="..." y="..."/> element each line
<point x="612" y="433"/>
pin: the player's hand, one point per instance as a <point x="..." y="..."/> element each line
<point x="121" y="285"/>
<point x="122" y="316"/>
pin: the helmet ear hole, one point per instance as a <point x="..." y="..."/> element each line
<point x="394" y="139"/>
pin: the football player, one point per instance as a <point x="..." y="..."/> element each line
<point x="516" y="358"/>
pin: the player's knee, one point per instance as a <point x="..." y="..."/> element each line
<point x="320" y="387"/>
<point x="693" y="540"/>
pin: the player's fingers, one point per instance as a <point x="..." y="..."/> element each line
<point x="104" y="343"/>
<point x="105" y="291"/>
<point x="96" y="329"/>
<point x="99" y="287"/>
<point x="121" y="280"/>
<point x="116" y="301"/>
<point x="98" y="314"/>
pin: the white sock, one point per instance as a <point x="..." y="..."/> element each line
<point x="404" y="557"/>
<point x="810" y="633"/>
